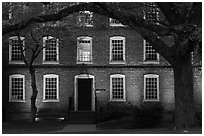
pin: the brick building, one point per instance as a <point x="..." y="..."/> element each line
<point x="106" y="60"/>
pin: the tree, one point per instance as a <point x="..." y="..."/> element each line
<point x="182" y="23"/>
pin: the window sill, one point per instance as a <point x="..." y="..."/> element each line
<point x="151" y="100"/>
<point x="16" y="62"/>
<point x="50" y="100"/>
<point x="17" y="101"/>
<point x="117" y="62"/>
<point x="150" y="62"/>
<point x="51" y="62"/>
<point x="113" y="100"/>
<point x="84" y="62"/>
<point x="117" y="25"/>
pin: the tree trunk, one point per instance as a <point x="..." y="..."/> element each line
<point x="33" y="109"/>
<point x="184" y="99"/>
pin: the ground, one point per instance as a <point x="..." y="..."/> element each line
<point x="63" y="127"/>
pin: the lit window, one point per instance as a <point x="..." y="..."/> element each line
<point x="117" y="87"/>
<point x="117" y="50"/>
<point x="84" y="49"/>
<point x="51" y="89"/>
<point x="17" y="88"/>
<point x="51" y="50"/>
<point x="151" y="87"/>
<point x="15" y="55"/>
<point x="150" y="55"/>
<point x="85" y="18"/>
<point x="114" y="22"/>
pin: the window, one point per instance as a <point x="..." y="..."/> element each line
<point x="114" y="22"/>
<point x="17" y="88"/>
<point x="85" y="18"/>
<point x="15" y="56"/>
<point x="117" y="87"/>
<point x="51" y="88"/>
<point x="150" y="55"/>
<point x="51" y="50"/>
<point x="84" y="49"/>
<point x="151" y="87"/>
<point x="117" y="50"/>
<point x="151" y="12"/>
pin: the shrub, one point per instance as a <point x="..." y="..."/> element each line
<point x="113" y="110"/>
<point x="149" y="114"/>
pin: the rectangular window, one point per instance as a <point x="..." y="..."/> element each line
<point x="117" y="53"/>
<point x="15" y="55"/>
<point x="151" y="87"/>
<point x="51" y="50"/>
<point x="84" y="49"/>
<point x="114" y="22"/>
<point x="51" y="88"/>
<point x="85" y="19"/>
<point x="17" y="88"/>
<point x="150" y="54"/>
<point x="117" y="87"/>
<point x="151" y="12"/>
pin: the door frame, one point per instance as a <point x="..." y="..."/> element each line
<point x="83" y="76"/>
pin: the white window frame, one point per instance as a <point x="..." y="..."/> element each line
<point x="10" y="87"/>
<point x="44" y="85"/>
<point x="91" y="58"/>
<point x="10" y="49"/>
<point x="144" y="56"/>
<point x="85" y="24"/>
<point x="144" y="15"/>
<point x="44" y="44"/>
<point x="124" y="91"/>
<point x="151" y="76"/>
<point x="111" y="59"/>
<point x="114" y="24"/>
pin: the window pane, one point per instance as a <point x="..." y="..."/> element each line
<point x="117" y="88"/>
<point x="17" y="88"/>
<point x="50" y="88"/>
<point x="15" y="51"/>
<point x="84" y="50"/>
<point x="117" y="50"/>
<point x="151" y="88"/>
<point x="85" y="18"/>
<point x="51" y="50"/>
<point x="150" y="53"/>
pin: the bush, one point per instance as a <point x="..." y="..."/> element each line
<point x="113" y="110"/>
<point x="149" y="114"/>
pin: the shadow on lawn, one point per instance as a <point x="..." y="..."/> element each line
<point x="29" y="127"/>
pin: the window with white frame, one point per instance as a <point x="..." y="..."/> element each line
<point x="151" y="87"/>
<point x="51" y="49"/>
<point x="51" y="88"/>
<point x="150" y="55"/>
<point x="151" y="12"/>
<point x="117" y="49"/>
<point x="15" y="55"/>
<point x="115" y="22"/>
<point x="17" y="88"/>
<point x="84" y="49"/>
<point x="85" y="18"/>
<point x="117" y="87"/>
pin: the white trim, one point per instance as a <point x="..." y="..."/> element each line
<point x="57" y="44"/>
<point x="144" y="55"/>
<point x="83" y="76"/>
<point x="151" y="76"/>
<point x="10" y="87"/>
<point x="110" y="58"/>
<point x="124" y="93"/>
<point x="51" y="76"/>
<point x="91" y="59"/>
<point x="10" y="49"/>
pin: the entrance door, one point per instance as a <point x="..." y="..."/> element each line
<point x="84" y="94"/>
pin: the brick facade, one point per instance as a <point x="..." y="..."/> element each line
<point x="134" y="70"/>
